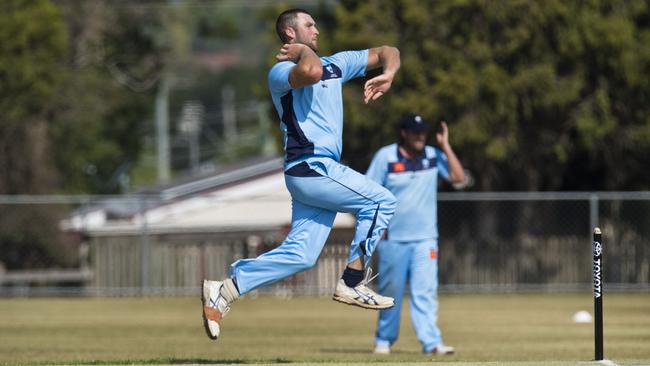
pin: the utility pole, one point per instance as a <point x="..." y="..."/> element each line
<point x="190" y="126"/>
<point x="162" y="129"/>
<point x="228" y="113"/>
<point x="264" y="128"/>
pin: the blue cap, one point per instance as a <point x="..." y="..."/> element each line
<point x="414" y="123"/>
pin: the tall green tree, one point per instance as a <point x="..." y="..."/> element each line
<point x="104" y="106"/>
<point x="33" y="50"/>
<point x="540" y="95"/>
<point x="32" y="55"/>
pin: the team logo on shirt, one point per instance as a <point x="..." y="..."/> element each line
<point x="397" y="167"/>
<point x="412" y="166"/>
<point x="433" y="254"/>
<point x="331" y="71"/>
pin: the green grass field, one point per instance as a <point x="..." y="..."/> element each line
<point x="485" y="329"/>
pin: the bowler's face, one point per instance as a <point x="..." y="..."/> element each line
<point x="306" y="31"/>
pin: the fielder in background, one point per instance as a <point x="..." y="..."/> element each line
<point x="409" y="253"/>
<point x="306" y="92"/>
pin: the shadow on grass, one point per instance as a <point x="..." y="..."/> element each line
<point x="175" y="361"/>
<point x="365" y="351"/>
<point x="347" y="350"/>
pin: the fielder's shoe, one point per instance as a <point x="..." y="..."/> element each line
<point x="215" y="305"/>
<point x="362" y="295"/>
<point x="382" y="349"/>
<point x="441" y="349"/>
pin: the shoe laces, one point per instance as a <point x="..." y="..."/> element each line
<point x="368" y="277"/>
<point x="226" y="309"/>
<point x="215" y="304"/>
<point x="225" y="312"/>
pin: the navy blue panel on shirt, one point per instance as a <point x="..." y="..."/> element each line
<point x="331" y="71"/>
<point x="407" y="165"/>
<point x="302" y="170"/>
<point x="297" y="144"/>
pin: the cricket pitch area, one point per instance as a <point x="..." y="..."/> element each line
<point x="507" y="329"/>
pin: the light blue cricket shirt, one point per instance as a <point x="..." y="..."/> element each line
<point x="415" y="185"/>
<point x="311" y="117"/>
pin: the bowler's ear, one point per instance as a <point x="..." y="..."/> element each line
<point x="290" y="33"/>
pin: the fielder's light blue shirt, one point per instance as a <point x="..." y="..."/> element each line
<point x="415" y="185"/>
<point x="312" y="116"/>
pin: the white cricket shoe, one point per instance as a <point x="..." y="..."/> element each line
<point x="362" y="295"/>
<point x="441" y="349"/>
<point x="382" y="349"/>
<point x="215" y="307"/>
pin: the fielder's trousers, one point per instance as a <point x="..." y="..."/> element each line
<point x="415" y="262"/>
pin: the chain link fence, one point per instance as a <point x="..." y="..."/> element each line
<point x="489" y="242"/>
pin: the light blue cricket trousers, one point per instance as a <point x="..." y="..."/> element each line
<point x="411" y="261"/>
<point x="319" y="187"/>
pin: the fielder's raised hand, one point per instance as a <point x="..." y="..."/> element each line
<point x="442" y="137"/>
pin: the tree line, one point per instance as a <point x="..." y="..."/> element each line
<point x="539" y="95"/>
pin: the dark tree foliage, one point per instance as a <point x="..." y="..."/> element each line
<point x="104" y="106"/>
<point x="32" y="53"/>
<point x="539" y="95"/>
<point x="73" y="101"/>
<point x="31" y="60"/>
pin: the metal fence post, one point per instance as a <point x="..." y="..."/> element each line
<point x="144" y="247"/>
<point x="593" y="212"/>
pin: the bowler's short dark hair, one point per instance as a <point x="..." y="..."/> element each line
<point x="287" y="19"/>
